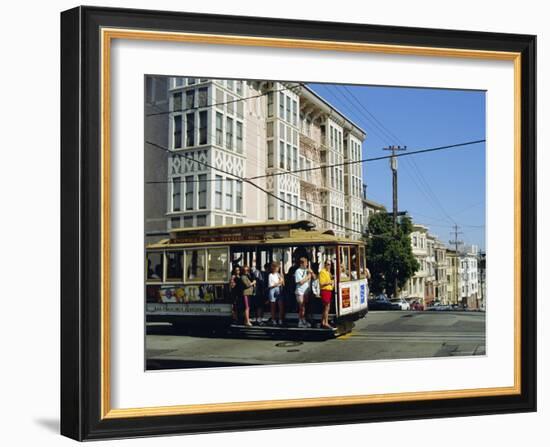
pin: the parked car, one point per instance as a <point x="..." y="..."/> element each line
<point x="381" y="302"/>
<point x="438" y="307"/>
<point x="402" y="303"/>
<point x="417" y="305"/>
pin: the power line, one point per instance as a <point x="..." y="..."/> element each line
<point x="365" y="160"/>
<point x="299" y="84"/>
<point x="384" y="157"/>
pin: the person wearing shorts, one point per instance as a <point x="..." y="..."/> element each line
<point x="327" y="286"/>
<point x="247" y="287"/>
<point x="275" y="284"/>
<point x="302" y="277"/>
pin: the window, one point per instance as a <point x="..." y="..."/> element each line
<point x="149" y="89"/>
<point x="155" y="266"/>
<point x="282" y="207"/>
<point x="202" y="192"/>
<point x="218" y="220"/>
<point x="362" y="270"/>
<point x="176" y="194"/>
<point x="294" y="112"/>
<point x="201" y="220"/>
<point x="270" y="207"/>
<point x="218" y="264"/>
<point x="174" y="267"/>
<point x="270" y="104"/>
<point x="219" y="129"/>
<point x="190" y="99"/>
<point x="179" y="82"/>
<point x="187" y="221"/>
<point x="281" y="105"/>
<point x="174" y="222"/>
<point x="270" y="154"/>
<point x="218" y="192"/>
<point x="190" y="129"/>
<point x="282" y="130"/>
<point x="239" y="87"/>
<point x="239" y="196"/>
<point x="308" y="173"/>
<point x="288" y="207"/>
<point x="189" y="192"/>
<point x="281" y="154"/>
<point x="288" y="107"/>
<point x="240" y="109"/>
<point x="288" y="157"/>
<point x="191" y="81"/>
<point x="219" y="98"/>
<point x="230" y="106"/>
<point x="229" y="195"/>
<point x="229" y="133"/>
<point x="203" y="97"/>
<point x="177" y="131"/>
<point x="203" y="127"/>
<point x="177" y="103"/>
<point x="295" y="158"/>
<point x="269" y="129"/>
<point x="230" y="84"/>
<point x="194" y="265"/>
<point x="344" y="264"/>
<point x="354" y="262"/>
<point x="239" y="137"/>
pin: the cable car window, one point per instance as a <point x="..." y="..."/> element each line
<point x="344" y="264"/>
<point x="362" y="271"/>
<point x="354" y="262"/>
<point x="195" y="265"/>
<point x="217" y="264"/>
<point x="155" y="266"/>
<point x="174" y="267"/>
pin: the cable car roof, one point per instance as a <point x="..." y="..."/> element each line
<point x="268" y="233"/>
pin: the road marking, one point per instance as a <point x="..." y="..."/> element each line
<point x="345" y="336"/>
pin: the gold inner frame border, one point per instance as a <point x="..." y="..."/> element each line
<point x="107" y="35"/>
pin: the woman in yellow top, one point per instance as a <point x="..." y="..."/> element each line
<point x="327" y="286"/>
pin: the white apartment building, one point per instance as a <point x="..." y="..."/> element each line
<point x="430" y="280"/>
<point x="415" y="289"/>
<point x="441" y="284"/>
<point x="220" y="131"/>
<point x="470" y="281"/>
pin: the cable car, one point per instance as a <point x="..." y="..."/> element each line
<point x="188" y="274"/>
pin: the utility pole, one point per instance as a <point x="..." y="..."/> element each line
<point x="393" y="166"/>
<point x="456" y="243"/>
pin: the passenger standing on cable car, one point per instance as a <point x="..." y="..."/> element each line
<point x="275" y="283"/>
<point x="234" y="284"/>
<point x="302" y="277"/>
<point x="260" y="293"/>
<point x="327" y="286"/>
<point x="245" y="295"/>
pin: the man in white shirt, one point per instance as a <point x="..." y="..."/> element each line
<point x="302" y="276"/>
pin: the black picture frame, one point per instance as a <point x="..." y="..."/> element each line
<point x="81" y="223"/>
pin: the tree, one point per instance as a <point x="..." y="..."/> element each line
<point x="388" y="255"/>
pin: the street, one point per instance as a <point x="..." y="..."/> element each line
<point x="382" y="335"/>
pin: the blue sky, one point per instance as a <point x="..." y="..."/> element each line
<point x="439" y="188"/>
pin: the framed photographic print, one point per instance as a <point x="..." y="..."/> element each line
<point x="277" y="223"/>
